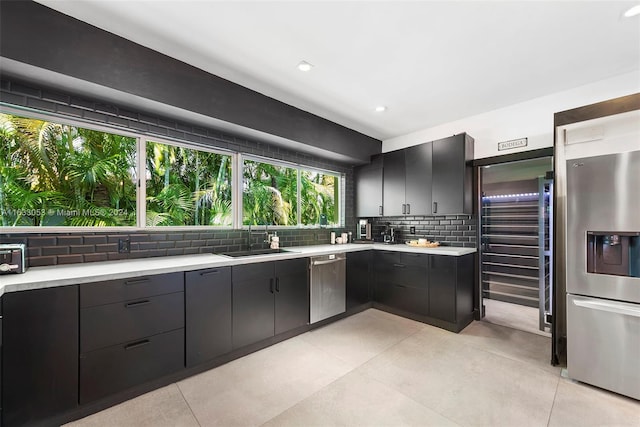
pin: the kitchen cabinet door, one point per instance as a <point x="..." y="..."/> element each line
<point x="401" y="281"/>
<point x="402" y="297"/>
<point x="40" y="354"/>
<point x="253" y="289"/>
<point x="208" y="314"/>
<point x="369" y="189"/>
<point x="442" y="287"/>
<point x="452" y="180"/>
<point x="358" y="278"/>
<point x="393" y="192"/>
<point x="291" y="294"/>
<point x="418" y="179"/>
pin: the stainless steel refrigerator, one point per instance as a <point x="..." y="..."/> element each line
<point x="603" y="271"/>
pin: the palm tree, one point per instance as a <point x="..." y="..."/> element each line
<point x="63" y="175"/>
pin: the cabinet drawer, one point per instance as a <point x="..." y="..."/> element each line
<point x="410" y="275"/>
<point x="260" y="270"/>
<point x="402" y="297"/>
<point x="116" y="368"/>
<point x="129" y="289"/>
<point x="292" y="266"/>
<point x="414" y="259"/>
<point x="110" y="324"/>
<point x="383" y="258"/>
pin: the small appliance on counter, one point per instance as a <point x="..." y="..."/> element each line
<point x="12" y="258"/>
<point x="364" y="230"/>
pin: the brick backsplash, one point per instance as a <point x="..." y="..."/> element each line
<point x="449" y="230"/>
<point x="56" y="248"/>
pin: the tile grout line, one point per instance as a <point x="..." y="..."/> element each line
<point x="188" y="405"/>
<point x="506" y="356"/>
<point x="553" y="404"/>
<point x="350" y="371"/>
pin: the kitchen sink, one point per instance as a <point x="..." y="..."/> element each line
<point x="255" y="252"/>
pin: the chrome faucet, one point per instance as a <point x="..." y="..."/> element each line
<point x="267" y="236"/>
<point x="249" y="244"/>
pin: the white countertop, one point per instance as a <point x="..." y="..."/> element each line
<point x="73" y="274"/>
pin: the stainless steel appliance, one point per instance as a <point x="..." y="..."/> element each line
<point x="603" y="271"/>
<point x="364" y="230"/>
<point x="12" y="258"/>
<point x="328" y="287"/>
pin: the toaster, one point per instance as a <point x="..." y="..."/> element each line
<point x="12" y="258"/>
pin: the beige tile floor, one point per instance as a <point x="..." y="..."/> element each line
<point x="377" y="369"/>
<point x="513" y="315"/>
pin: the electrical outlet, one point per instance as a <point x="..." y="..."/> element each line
<point x="412" y="230"/>
<point x="124" y="246"/>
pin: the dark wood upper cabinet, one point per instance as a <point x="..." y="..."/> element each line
<point x="429" y="179"/>
<point x="369" y="188"/>
<point x="407" y="181"/>
<point x="452" y="186"/>
<point x="418" y="179"/>
<point x="394" y="183"/>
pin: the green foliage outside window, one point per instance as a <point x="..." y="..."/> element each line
<point x="60" y="175"/>
<point x="54" y="174"/>
<point x="187" y="186"/>
<point x="270" y="195"/>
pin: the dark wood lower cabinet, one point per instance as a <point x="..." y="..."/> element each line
<point x="358" y="278"/>
<point x="208" y="314"/>
<point x="435" y="289"/>
<point x="269" y="298"/>
<point x="292" y="294"/>
<point x="131" y="332"/>
<point x="253" y="304"/>
<point x="403" y="297"/>
<point x="442" y="288"/>
<point x="39" y="354"/>
<point x="113" y="369"/>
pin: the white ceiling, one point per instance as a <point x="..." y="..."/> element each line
<point x="429" y="62"/>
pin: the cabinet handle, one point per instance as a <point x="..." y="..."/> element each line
<point x="435" y="207"/>
<point x="137" y="303"/>
<point x="271" y="285"/>
<point x="404" y="209"/>
<point x="209" y="272"/>
<point x="380" y="210"/>
<point x="408" y="208"/>
<point x="277" y="284"/>
<point x="399" y="265"/>
<point x="136" y="344"/>
<point x="399" y="286"/>
<point x="137" y="281"/>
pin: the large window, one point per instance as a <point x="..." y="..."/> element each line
<point x="60" y="175"/>
<point x="271" y="192"/>
<point x="66" y="175"/>
<point x="319" y="197"/>
<point x="185" y="186"/>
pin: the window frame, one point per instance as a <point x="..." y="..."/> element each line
<point x="237" y="174"/>
<point x="300" y="168"/>
<point x="30" y="113"/>
<point x="142" y="183"/>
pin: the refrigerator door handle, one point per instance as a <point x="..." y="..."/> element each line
<point x="608" y="306"/>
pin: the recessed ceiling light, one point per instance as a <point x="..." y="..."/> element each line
<point x="304" y="66"/>
<point x="635" y="10"/>
<point x="381" y="109"/>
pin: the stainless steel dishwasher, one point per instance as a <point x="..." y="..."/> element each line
<point x="328" y="287"/>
